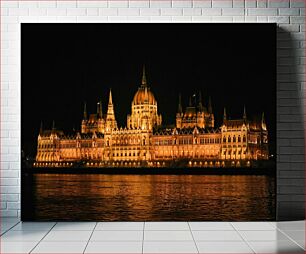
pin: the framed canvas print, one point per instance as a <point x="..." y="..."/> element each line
<point x="148" y="122"/>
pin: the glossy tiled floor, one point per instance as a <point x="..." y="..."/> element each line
<point x="152" y="237"/>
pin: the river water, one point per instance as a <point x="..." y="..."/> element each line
<point x="100" y="197"/>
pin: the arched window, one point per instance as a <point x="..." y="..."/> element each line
<point x="229" y="139"/>
<point x="244" y="138"/>
<point x="224" y="139"/>
<point x="234" y="139"/>
<point x="239" y="139"/>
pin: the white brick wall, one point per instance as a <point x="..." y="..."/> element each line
<point x="289" y="14"/>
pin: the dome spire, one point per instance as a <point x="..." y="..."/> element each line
<point x="85" y="112"/>
<point x="244" y="113"/>
<point x="224" y="115"/>
<point x="179" y="109"/>
<point x="144" y="79"/>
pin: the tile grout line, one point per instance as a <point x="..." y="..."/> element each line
<point x="42" y="238"/>
<point x="290" y="238"/>
<point x="10" y="228"/>
<point x="193" y="238"/>
<point x="247" y="243"/>
<point x="90" y="237"/>
<point x="143" y="232"/>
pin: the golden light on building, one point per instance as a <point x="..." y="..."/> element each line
<point x="144" y="142"/>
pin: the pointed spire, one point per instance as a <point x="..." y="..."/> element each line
<point x="110" y="98"/>
<point x="263" y="121"/>
<point x="85" y="111"/>
<point x="224" y="115"/>
<point x="200" y="101"/>
<point x="190" y="102"/>
<point x="179" y="108"/>
<point x="99" y="109"/>
<point x="144" y="79"/>
<point x="53" y="125"/>
<point x="41" y="127"/>
<point x="244" y="113"/>
<point x="209" y="105"/>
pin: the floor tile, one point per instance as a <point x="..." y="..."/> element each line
<point x="168" y="236"/>
<point x="276" y="247"/>
<point x="9" y="220"/>
<point x="170" y="247"/>
<point x="290" y="225"/>
<point x="114" y="247"/>
<point x="60" y="247"/>
<point x="223" y="247"/>
<point x="17" y="247"/>
<point x="297" y="236"/>
<point x="23" y="236"/>
<point x="99" y="236"/>
<point x="33" y="226"/>
<point x="273" y="235"/>
<point x="69" y="236"/>
<point x="120" y="226"/>
<point x="166" y="226"/>
<point x="74" y="226"/>
<point x="216" y="236"/>
<point x="253" y="226"/>
<point x="211" y="226"/>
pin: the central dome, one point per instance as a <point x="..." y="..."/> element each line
<point x="144" y="96"/>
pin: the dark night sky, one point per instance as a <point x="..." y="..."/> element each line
<point x="64" y="65"/>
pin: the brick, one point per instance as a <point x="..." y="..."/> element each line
<point x="262" y="12"/>
<point x="66" y="4"/>
<point x="3" y="205"/>
<point x="262" y="4"/>
<point x="250" y="3"/>
<point x="211" y="11"/>
<point x="128" y="12"/>
<point x="171" y="11"/>
<point x="9" y="197"/>
<point x="181" y="18"/>
<point x="150" y="11"/>
<point x="262" y="19"/>
<point x="92" y="4"/>
<point x="108" y="11"/>
<point x="76" y="12"/>
<point x="37" y="11"/>
<point x="118" y="4"/>
<point x="138" y="19"/>
<point x="9" y="213"/>
<point x="9" y="181"/>
<point x="181" y="3"/>
<point x="297" y="3"/>
<point x="289" y="28"/>
<point x="222" y="19"/>
<point x="233" y="12"/>
<point x="222" y="3"/>
<point x="202" y="3"/>
<point x="13" y="205"/>
<point x="278" y="3"/>
<point x="92" y="11"/>
<point x="160" y="3"/>
<point x="192" y="11"/>
<point x="9" y="173"/>
<point x="57" y="12"/>
<point x="291" y="173"/>
<point x="289" y="11"/>
<point x="279" y="19"/>
<point x="202" y="18"/>
<point x="139" y="4"/>
<point x="238" y="3"/>
<point x="297" y="20"/>
<point x="47" y="4"/>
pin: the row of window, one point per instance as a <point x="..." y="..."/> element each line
<point x="234" y="139"/>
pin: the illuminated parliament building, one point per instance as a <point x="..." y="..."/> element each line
<point x="194" y="141"/>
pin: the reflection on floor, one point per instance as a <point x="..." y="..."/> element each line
<point x="152" y="237"/>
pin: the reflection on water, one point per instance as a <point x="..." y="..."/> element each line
<point x="153" y="197"/>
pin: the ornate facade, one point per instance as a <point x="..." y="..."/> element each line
<point x="144" y="142"/>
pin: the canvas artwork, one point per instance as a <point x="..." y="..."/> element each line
<point x="148" y="122"/>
